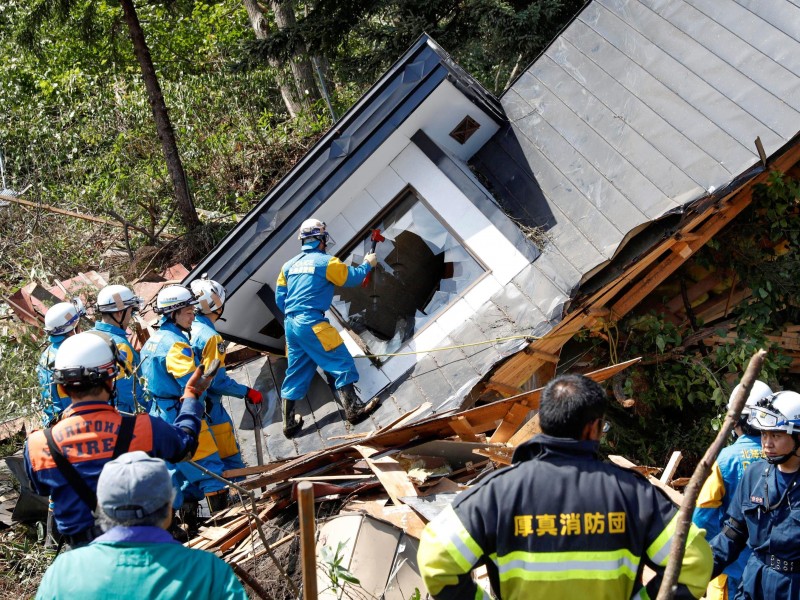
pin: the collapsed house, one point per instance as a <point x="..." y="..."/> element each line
<point x="511" y="224"/>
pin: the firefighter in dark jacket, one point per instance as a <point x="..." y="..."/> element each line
<point x="765" y="512"/>
<point x="560" y="523"/>
<point x="65" y="461"/>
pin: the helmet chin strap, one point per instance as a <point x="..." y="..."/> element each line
<point x="119" y="321"/>
<point x="779" y="460"/>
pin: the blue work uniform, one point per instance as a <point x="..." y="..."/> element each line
<point x="130" y="391"/>
<point x="168" y="362"/>
<point x="139" y="562"/>
<point x="208" y="345"/>
<point x="53" y="402"/>
<point x="765" y="516"/>
<point x="714" y="500"/>
<point x="87" y="436"/>
<point x="559" y="523"/>
<point x="303" y="293"/>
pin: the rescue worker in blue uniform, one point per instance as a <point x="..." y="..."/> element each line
<point x="65" y="461"/>
<point x="765" y="513"/>
<point x="208" y="346"/>
<point x="303" y="293"/>
<point x="167" y="363"/>
<point x="115" y="307"/>
<point x="720" y="487"/>
<point x="559" y="522"/>
<point x="60" y="321"/>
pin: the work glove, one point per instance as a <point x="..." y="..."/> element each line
<point x="372" y="259"/>
<point x="254" y="396"/>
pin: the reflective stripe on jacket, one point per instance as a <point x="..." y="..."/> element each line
<point x="559" y="523"/>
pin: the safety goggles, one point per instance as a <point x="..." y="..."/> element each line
<point x="767" y="419"/>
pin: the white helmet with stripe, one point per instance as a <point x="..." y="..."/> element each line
<point x="63" y="317"/>
<point x="172" y="298"/>
<point x="210" y="294"/>
<point x="116" y="298"/>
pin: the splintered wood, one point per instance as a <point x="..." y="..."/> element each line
<point x="401" y="475"/>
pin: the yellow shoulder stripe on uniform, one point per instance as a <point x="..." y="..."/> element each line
<point x="180" y="360"/>
<point x="336" y="272"/>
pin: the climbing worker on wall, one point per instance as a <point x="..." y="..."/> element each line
<point x="559" y="522"/>
<point x="115" y="307"/>
<point x="60" y="322"/>
<point x="718" y="490"/>
<point x="208" y="345"/>
<point x="303" y="293"/>
<point x="167" y="363"/>
<point x="763" y="513"/>
<point x="64" y="461"/>
<point x="136" y="557"/>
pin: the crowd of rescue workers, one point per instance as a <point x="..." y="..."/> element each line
<point x="134" y="446"/>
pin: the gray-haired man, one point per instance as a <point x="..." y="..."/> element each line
<point x="136" y="557"/>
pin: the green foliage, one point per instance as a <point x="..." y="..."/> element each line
<point x="361" y="38"/>
<point x="19" y="387"/>
<point x="683" y="387"/>
<point x="337" y="574"/>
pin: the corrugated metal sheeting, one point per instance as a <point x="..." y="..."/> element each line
<point x="639" y="108"/>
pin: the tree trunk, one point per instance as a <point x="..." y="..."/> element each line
<point x="261" y="28"/>
<point x="302" y="69"/>
<point x="166" y="134"/>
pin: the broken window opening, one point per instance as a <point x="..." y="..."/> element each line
<point x="422" y="268"/>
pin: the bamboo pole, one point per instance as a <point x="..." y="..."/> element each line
<point x="667" y="589"/>
<point x="305" y="499"/>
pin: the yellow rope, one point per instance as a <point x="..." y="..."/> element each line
<point x="502" y="339"/>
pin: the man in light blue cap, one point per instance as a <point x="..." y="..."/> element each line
<point x="136" y="557"/>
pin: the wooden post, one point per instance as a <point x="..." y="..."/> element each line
<point x="308" y="550"/>
<point x="667" y="589"/>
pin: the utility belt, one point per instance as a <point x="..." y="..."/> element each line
<point x="82" y="538"/>
<point x="776" y="563"/>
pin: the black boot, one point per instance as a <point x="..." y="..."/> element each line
<point x="354" y="409"/>
<point x="292" y="422"/>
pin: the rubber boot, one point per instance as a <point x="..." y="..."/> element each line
<point x="217" y="501"/>
<point x="354" y="409"/>
<point x="292" y="422"/>
<point x="189" y="515"/>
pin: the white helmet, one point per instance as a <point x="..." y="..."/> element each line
<point x="210" y="295"/>
<point x="172" y="298"/>
<point x="757" y="392"/>
<point x="86" y="359"/>
<point x="63" y="317"/>
<point x="778" y="412"/>
<point x="116" y="298"/>
<point x="314" y="228"/>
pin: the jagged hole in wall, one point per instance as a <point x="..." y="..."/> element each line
<point x="422" y="268"/>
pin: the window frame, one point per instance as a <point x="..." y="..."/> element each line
<point x="348" y="249"/>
